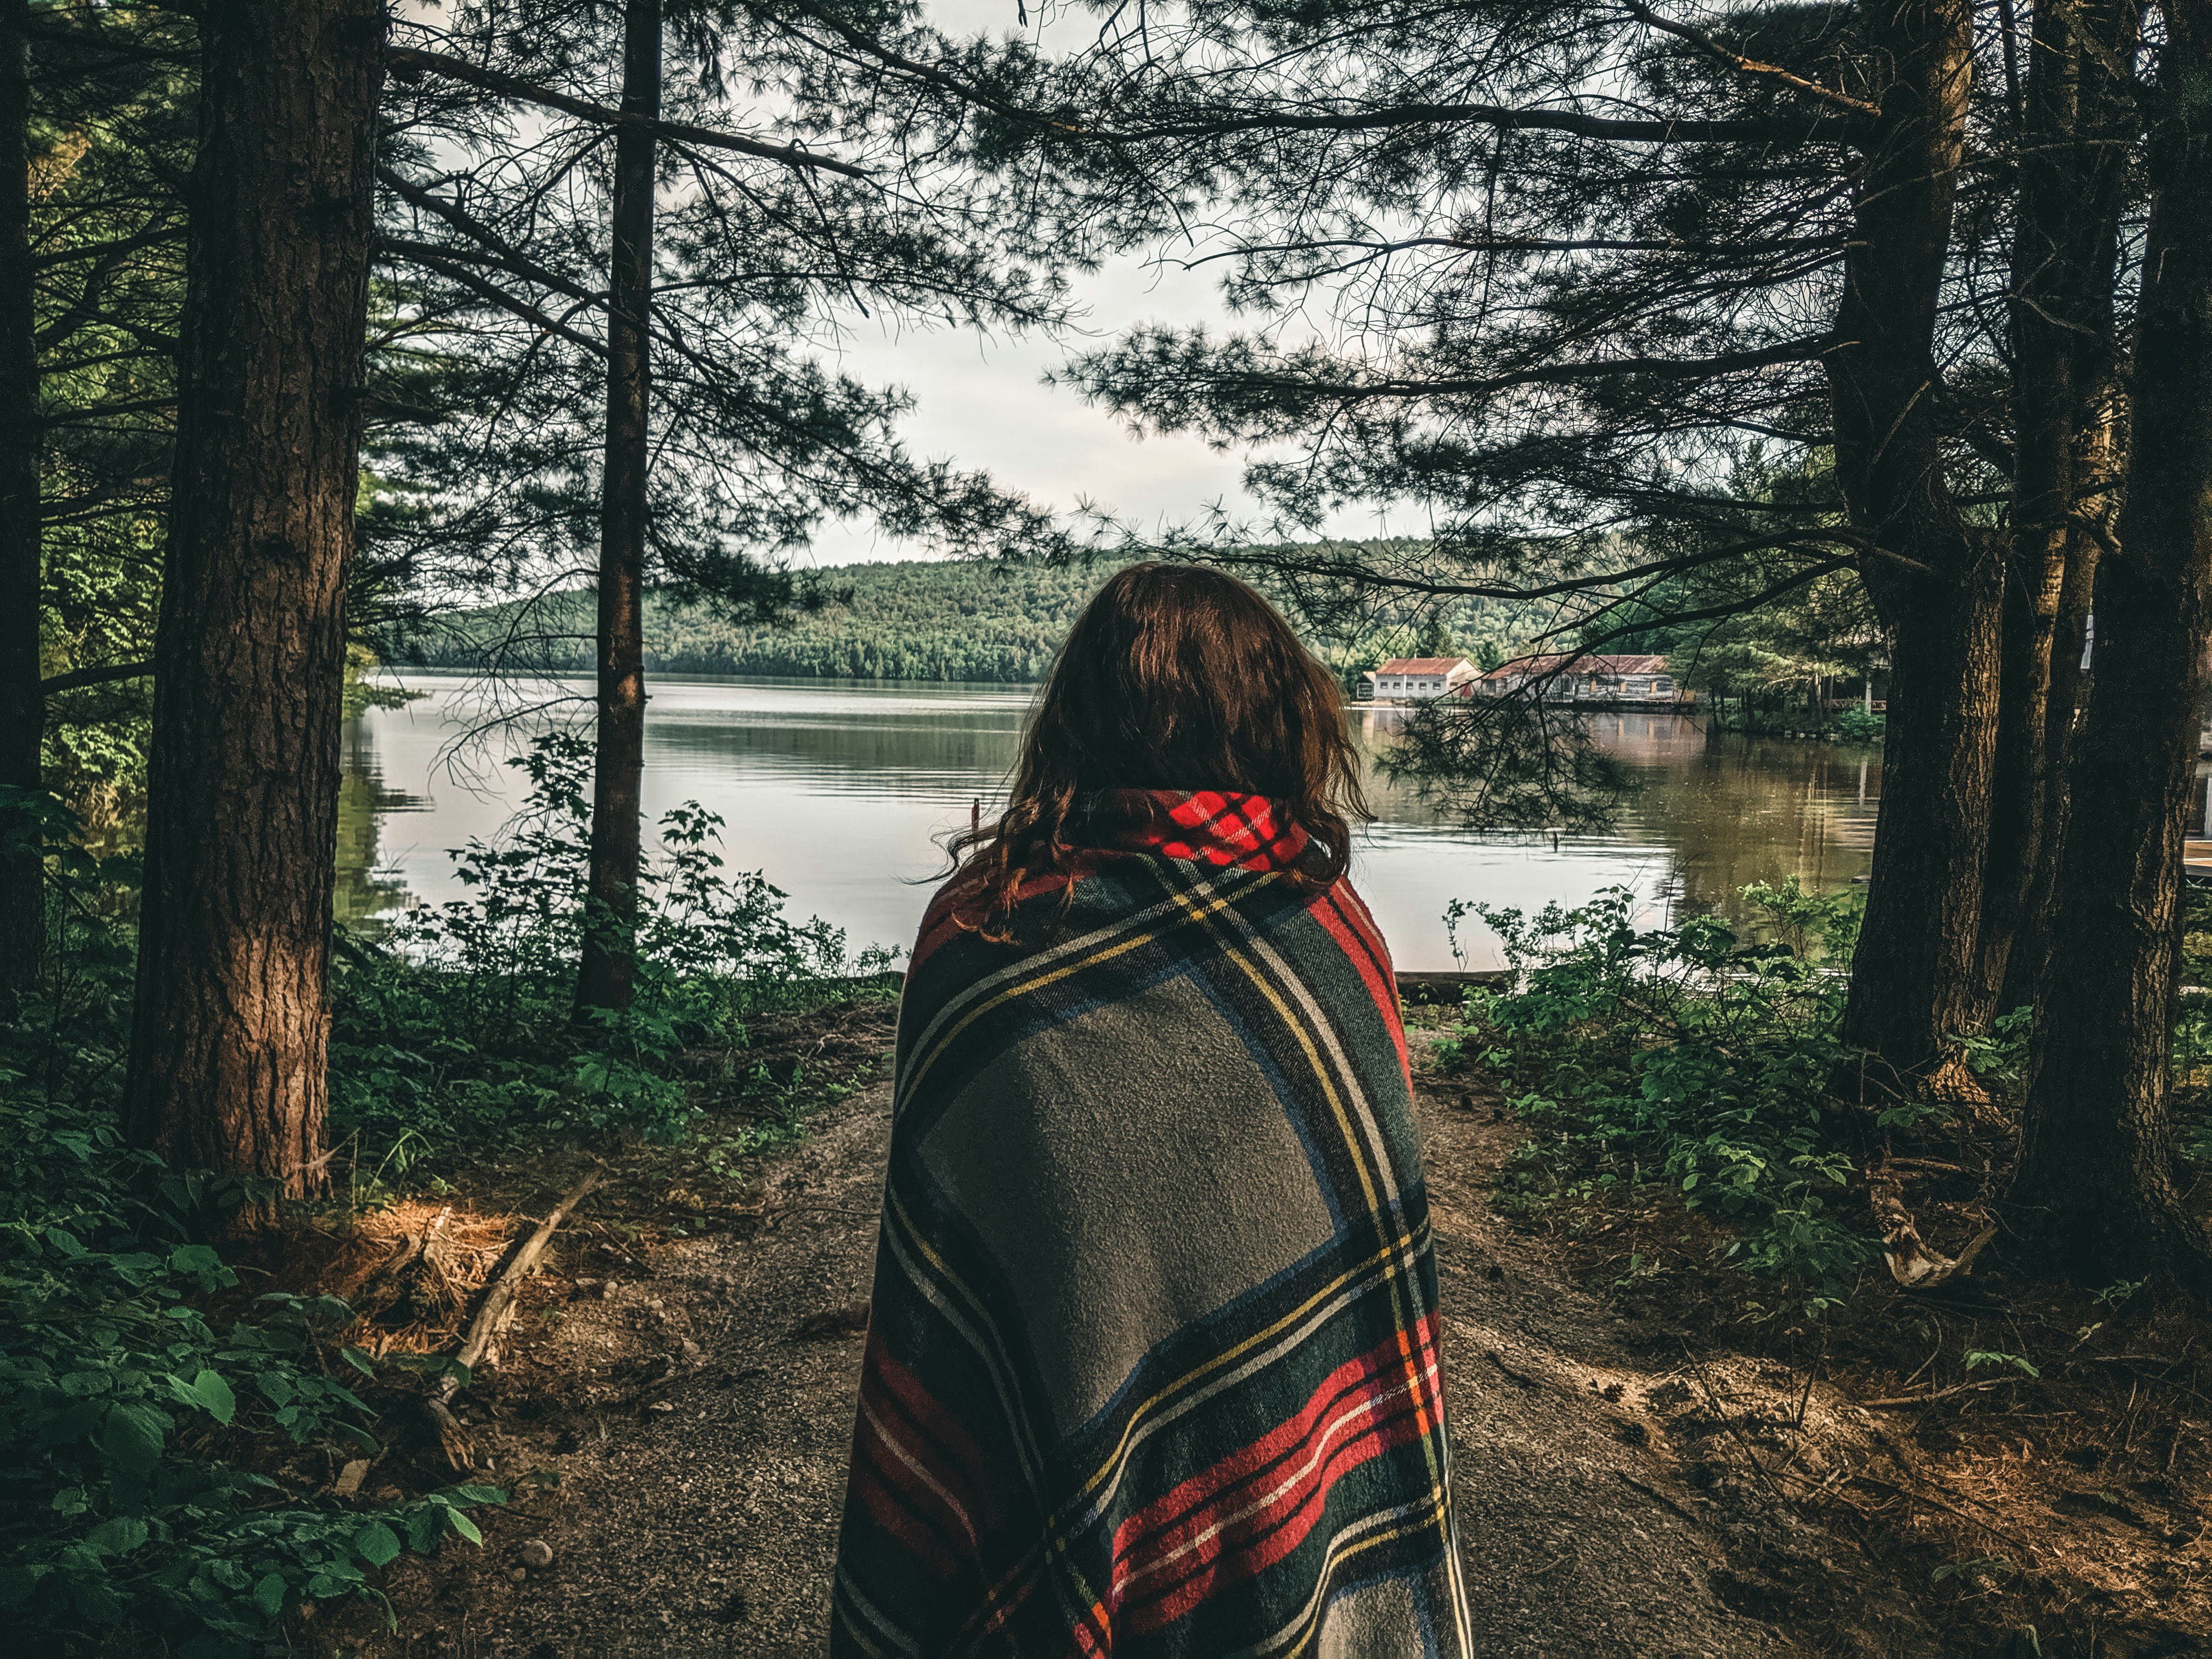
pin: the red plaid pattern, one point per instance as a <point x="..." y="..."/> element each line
<point x="1256" y="1506"/>
<point x="1208" y="826"/>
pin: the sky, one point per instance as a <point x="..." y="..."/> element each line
<point x="983" y="404"/>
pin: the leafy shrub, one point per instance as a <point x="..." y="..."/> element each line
<point x="1859" y="726"/>
<point x="126" y="1405"/>
<point x="461" y="1017"/>
<point x="1688" y="1055"/>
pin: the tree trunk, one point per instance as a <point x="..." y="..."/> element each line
<point x="22" y="705"/>
<point x="2095" y="1190"/>
<point x="2030" y="955"/>
<point x="231" y="1022"/>
<point x="1912" y="978"/>
<point x="2073" y="161"/>
<point x="606" y="979"/>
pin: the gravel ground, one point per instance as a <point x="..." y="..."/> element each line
<point x="695" y="1400"/>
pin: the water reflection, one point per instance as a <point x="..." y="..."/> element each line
<point x="841" y="791"/>
<point x="363" y="889"/>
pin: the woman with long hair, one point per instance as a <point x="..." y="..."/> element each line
<point x="1152" y="1360"/>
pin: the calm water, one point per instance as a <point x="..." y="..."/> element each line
<point x="840" y="792"/>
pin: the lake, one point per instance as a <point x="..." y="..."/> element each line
<point x="839" y="791"/>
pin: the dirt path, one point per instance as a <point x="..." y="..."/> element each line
<point x="696" y="1512"/>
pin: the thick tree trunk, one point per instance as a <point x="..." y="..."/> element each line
<point x="606" y="979"/>
<point x="2018" y="792"/>
<point x="22" y="706"/>
<point x="2094" y="1190"/>
<point x="230" y="1026"/>
<point x="2073" y="163"/>
<point x="1912" y="978"/>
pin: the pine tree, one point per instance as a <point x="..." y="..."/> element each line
<point x="724" y="443"/>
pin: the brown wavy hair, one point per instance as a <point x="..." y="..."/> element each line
<point x="1175" y="677"/>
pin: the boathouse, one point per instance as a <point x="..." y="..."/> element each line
<point x="1416" y="679"/>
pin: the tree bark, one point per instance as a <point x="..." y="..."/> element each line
<point x="22" y="701"/>
<point x="2064" y="703"/>
<point x="230" y="1026"/>
<point x="2094" y="1191"/>
<point x="606" y="976"/>
<point x="2073" y="167"/>
<point x="1912" y="978"/>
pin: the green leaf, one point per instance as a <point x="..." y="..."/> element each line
<point x="424" y="1527"/>
<point x="117" y="1536"/>
<point x="132" y="1437"/>
<point x="463" y="1525"/>
<point x="269" y="1596"/>
<point x="1993" y="1357"/>
<point x="377" y="1544"/>
<point x="193" y="1259"/>
<point x="358" y="1360"/>
<point x="214" y="1397"/>
<point x="480" y="1494"/>
<point x="360" y="1437"/>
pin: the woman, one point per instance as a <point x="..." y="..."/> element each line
<point x="1152" y="1361"/>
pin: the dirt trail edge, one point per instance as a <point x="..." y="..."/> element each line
<point x="697" y="1398"/>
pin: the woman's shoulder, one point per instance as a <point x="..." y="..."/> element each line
<point x="955" y="908"/>
<point x="965" y="908"/>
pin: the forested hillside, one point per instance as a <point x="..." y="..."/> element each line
<point x="945" y="620"/>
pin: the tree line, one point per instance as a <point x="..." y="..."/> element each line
<point x="908" y="620"/>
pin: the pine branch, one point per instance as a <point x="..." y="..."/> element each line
<point x="410" y="64"/>
<point x="76" y="678"/>
<point x="1735" y="60"/>
<point x="1850" y="130"/>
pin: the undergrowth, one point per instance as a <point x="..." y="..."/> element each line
<point x="458" y="1020"/>
<point x="1692" y="1056"/>
<point x="143" y="1439"/>
<point x="156" y="1421"/>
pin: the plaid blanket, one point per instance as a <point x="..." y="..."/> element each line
<point x="1152" y="1365"/>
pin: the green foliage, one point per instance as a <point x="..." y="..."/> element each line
<point x="1859" y="725"/>
<point x="137" y="1390"/>
<point x="110" y="138"/>
<point x="1691" y="1057"/>
<point x="461" y="1019"/>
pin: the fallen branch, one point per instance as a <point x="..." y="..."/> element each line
<point x="1910" y="1496"/>
<point x="480" y="1344"/>
<point x="1713" y="1399"/>
<point x="1940" y="1394"/>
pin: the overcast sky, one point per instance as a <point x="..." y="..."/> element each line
<point x="982" y="403"/>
